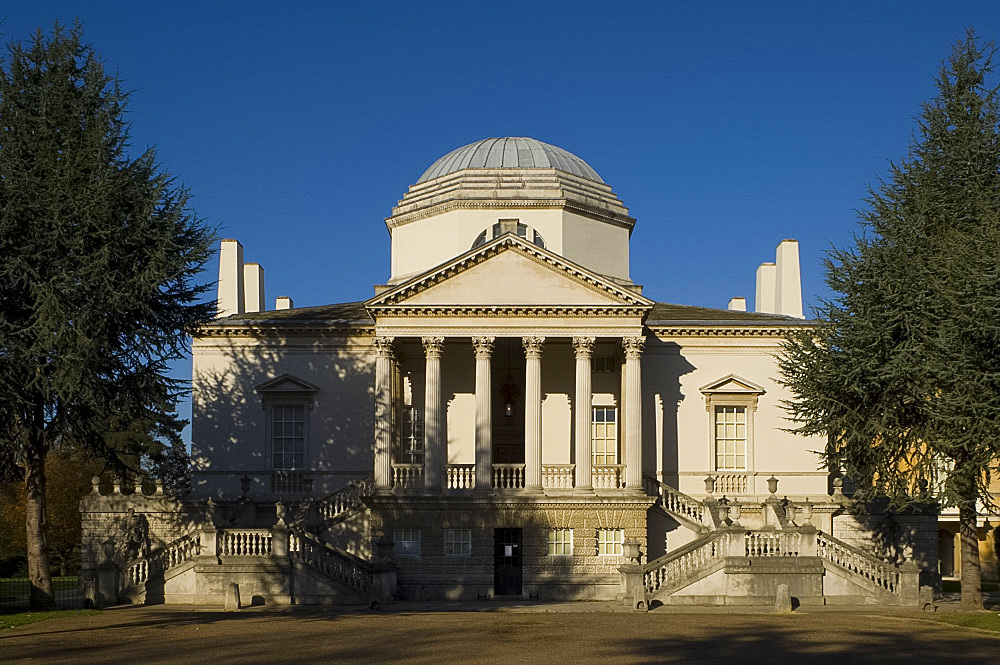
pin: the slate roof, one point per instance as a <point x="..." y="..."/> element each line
<point x="661" y="313"/>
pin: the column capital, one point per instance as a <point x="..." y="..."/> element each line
<point x="633" y="346"/>
<point x="385" y="346"/>
<point x="433" y="346"/>
<point x="483" y="346"/>
<point x="533" y="346"/>
<point x="583" y="347"/>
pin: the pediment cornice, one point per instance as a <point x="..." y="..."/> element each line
<point x="619" y="297"/>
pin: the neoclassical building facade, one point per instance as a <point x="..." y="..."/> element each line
<point x="510" y="415"/>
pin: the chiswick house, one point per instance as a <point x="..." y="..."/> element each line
<point x="510" y="415"/>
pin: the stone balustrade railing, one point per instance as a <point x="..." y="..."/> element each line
<point x="331" y="561"/>
<point x="880" y="573"/>
<point x="407" y="476"/>
<point x="609" y="476"/>
<point x="557" y="476"/>
<point x="291" y="482"/>
<point x="460" y="476"/>
<point x="244" y="542"/>
<point x="137" y="572"/>
<point x="733" y="484"/>
<point x="676" y="502"/>
<point x="344" y="501"/>
<point x="675" y="568"/>
<point x="508" y="476"/>
<point x="775" y="543"/>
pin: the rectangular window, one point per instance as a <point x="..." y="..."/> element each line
<point x="731" y="438"/>
<point x="603" y="364"/>
<point x="560" y="542"/>
<point x="412" y="431"/>
<point x="407" y="542"/>
<point x="609" y="542"/>
<point x="288" y="436"/>
<point x="604" y="434"/>
<point x="458" y="542"/>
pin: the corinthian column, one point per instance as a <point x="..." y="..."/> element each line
<point x="484" y="413"/>
<point x="384" y="354"/>
<point x="533" y="413"/>
<point x="583" y="347"/>
<point x="433" y="348"/>
<point x="633" y="411"/>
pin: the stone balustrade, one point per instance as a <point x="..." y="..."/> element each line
<point x="331" y="561"/>
<point x="407" y="476"/>
<point x="244" y="542"/>
<point x="508" y="476"/>
<point x="460" y="476"/>
<point x="557" y="476"/>
<point x="345" y="500"/>
<point x="609" y="476"/>
<point x="733" y="484"/>
<point x="880" y="573"/>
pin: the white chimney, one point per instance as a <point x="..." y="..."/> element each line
<point x="283" y="302"/>
<point x="253" y="287"/>
<point x="738" y="304"/>
<point x="764" y="301"/>
<point x="230" y="278"/>
<point x="787" y="283"/>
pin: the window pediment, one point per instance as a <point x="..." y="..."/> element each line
<point x="287" y="386"/>
<point x="731" y="389"/>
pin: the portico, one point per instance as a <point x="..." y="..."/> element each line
<point x="522" y="370"/>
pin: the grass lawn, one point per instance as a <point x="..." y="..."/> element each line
<point x="23" y="618"/>
<point x="983" y="620"/>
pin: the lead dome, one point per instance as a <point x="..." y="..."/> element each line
<point x="512" y="152"/>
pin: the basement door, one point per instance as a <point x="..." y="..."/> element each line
<point x="507" y="562"/>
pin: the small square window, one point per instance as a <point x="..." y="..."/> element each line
<point x="560" y="542"/>
<point x="458" y="542"/>
<point x="407" y="542"/>
<point x="609" y="542"/>
<point x="603" y="364"/>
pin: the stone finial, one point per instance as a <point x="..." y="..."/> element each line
<point x="807" y="511"/>
<point x="116" y="487"/>
<point x="630" y="549"/>
<point x="709" y="484"/>
<point x="95" y="483"/>
<point x="159" y="487"/>
<point x="281" y="511"/>
<point x="772" y="485"/>
<point x="736" y="511"/>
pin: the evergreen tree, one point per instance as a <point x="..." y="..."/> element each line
<point x="98" y="257"/>
<point x="902" y="372"/>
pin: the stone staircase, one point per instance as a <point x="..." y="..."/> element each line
<point x="736" y="566"/>
<point x="686" y="510"/>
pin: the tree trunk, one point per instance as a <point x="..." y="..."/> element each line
<point x="40" y="595"/>
<point x="972" y="595"/>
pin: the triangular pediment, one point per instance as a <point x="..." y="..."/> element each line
<point x="509" y="271"/>
<point x="732" y="384"/>
<point x="288" y="384"/>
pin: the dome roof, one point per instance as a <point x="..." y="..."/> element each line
<point x="515" y="152"/>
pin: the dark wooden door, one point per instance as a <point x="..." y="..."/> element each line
<point x="507" y="562"/>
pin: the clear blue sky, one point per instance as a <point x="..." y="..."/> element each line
<point x="723" y="126"/>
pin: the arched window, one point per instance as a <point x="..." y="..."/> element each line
<point x="522" y="230"/>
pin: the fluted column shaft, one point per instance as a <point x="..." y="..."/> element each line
<point x="484" y="412"/>
<point x="533" y="413"/>
<point x="433" y="448"/>
<point x="633" y="411"/>
<point x="583" y="347"/>
<point x="384" y="354"/>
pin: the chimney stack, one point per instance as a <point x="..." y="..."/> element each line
<point x="283" y="302"/>
<point x="230" y="278"/>
<point x="738" y="304"/>
<point x="253" y="287"/>
<point x="779" y="284"/>
<point x="764" y="301"/>
<point x="788" y="284"/>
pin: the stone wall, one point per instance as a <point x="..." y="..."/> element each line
<point x="581" y="575"/>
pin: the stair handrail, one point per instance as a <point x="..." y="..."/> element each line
<point x="676" y="502"/>
<point x="685" y="561"/>
<point x="878" y="572"/>
<point x="345" y="501"/>
<point x="331" y="560"/>
<point x="136" y="572"/>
